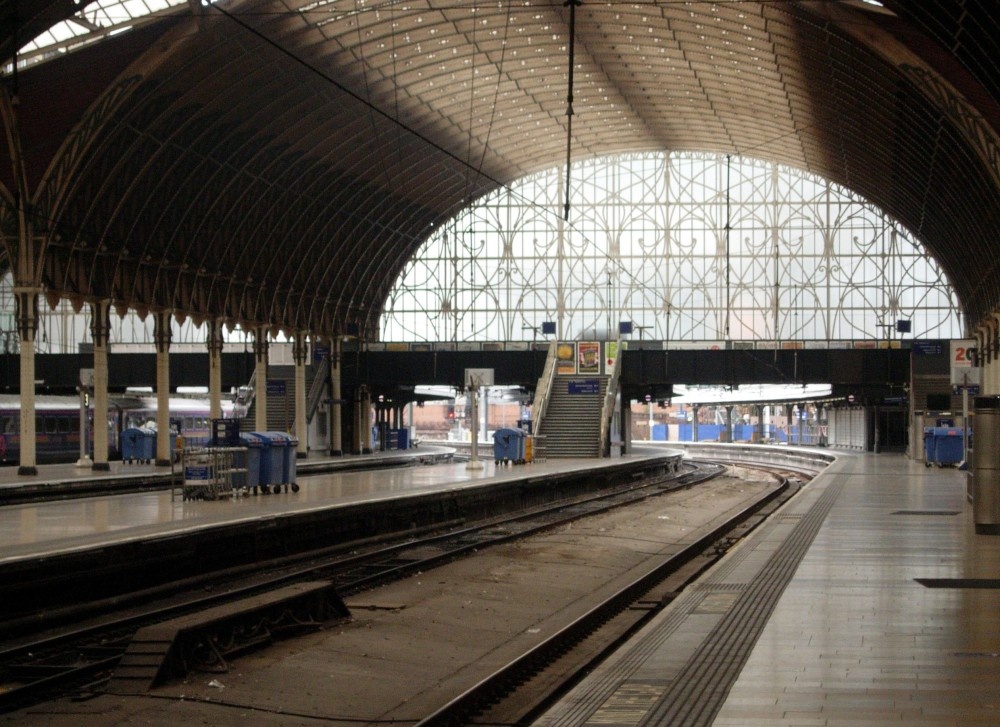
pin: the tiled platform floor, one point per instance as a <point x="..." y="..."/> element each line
<point x="854" y="638"/>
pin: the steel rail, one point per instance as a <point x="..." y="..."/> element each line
<point x="350" y="575"/>
<point x="496" y="687"/>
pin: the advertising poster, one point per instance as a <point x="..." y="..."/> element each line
<point x="566" y="358"/>
<point x="588" y="357"/>
<point x="610" y="355"/>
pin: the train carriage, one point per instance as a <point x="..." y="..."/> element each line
<point x="57" y="424"/>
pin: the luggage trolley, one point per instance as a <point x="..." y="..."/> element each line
<point x="208" y="471"/>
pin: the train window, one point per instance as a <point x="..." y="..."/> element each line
<point x="51" y="425"/>
<point x="188" y="424"/>
<point x="8" y="425"/>
<point x="64" y="425"/>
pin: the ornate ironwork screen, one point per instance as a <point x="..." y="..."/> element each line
<point x="688" y="247"/>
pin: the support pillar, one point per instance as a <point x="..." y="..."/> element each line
<point x="336" y="409"/>
<point x="729" y="423"/>
<point x="260" y="392"/>
<point x="988" y="355"/>
<point x="161" y="337"/>
<point x="626" y="429"/>
<point x="26" y="302"/>
<point x="382" y="424"/>
<point x="26" y="268"/>
<point x="214" y="344"/>
<point x="300" y="352"/>
<point x="788" y="423"/>
<point x="694" y="422"/>
<point x="760" y="424"/>
<point x="100" y="330"/>
<point x="485" y="400"/>
<point x="362" y="443"/>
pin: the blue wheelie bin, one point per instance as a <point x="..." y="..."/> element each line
<point x="930" y="451"/>
<point x="508" y="446"/>
<point x="266" y="475"/>
<point x="273" y="453"/>
<point x="250" y="462"/>
<point x="137" y="444"/>
<point x="947" y="446"/>
<point x="288" y="461"/>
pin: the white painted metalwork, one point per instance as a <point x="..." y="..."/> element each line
<point x="647" y="242"/>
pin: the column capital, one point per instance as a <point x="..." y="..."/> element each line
<point x="162" y="333"/>
<point x="214" y="339"/>
<point x="100" y="322"/>
<point x="260" y="344"/>
<point x="300" y="347"/>
<point x="26" y="311"/>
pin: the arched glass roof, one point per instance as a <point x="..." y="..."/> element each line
<point x="685" y="247"/>
<point x="93" y="22"/>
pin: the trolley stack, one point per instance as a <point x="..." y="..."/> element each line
<point x="209" y="472"/>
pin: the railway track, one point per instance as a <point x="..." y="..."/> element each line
<point x="519" y="691"/>
<point x="80" y="657"/>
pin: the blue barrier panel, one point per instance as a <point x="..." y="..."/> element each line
<point x="403" y="438"/>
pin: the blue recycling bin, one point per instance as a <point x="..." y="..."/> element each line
<point x="288" y="462"/>
<point x="275" y="464"/>
<point x="508" y="445"/>
<point x="266" y="476"/>
<point x="274" y="450"/>
<point x="948" y="447"/>
<point x="250" y="461"/>
<point x="138" y="444"/>
<point x="930" y="450"/>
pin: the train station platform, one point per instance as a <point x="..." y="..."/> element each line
<point x="56" y="481"/>
<point x="867" y="600"/>
<point x="59" y="527"/>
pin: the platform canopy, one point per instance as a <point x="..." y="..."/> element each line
<point x="276" y="163"/>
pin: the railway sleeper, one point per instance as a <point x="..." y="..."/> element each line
<point x="202" y="641"/>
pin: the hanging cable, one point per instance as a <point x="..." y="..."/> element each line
<point x="572" y="5"/>
<point x="728" y="228"/>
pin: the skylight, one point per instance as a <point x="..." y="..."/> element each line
<point x="95" y="22"/>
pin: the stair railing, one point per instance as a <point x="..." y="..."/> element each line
<point x="608" y="410"/>
<point x="243" y="404"/>
<point x="317" y="387"/>
<point x="543" y="390"/>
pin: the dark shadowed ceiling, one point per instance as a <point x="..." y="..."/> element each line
<point x="278" y="162"/>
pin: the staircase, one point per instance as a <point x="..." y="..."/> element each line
<point x="572" y="424"/>
<point x="280" y="409"/>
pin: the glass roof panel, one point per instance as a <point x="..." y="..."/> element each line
<point x="95" y="22"/>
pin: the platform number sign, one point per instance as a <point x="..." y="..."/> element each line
<point x="963" y="363"/>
